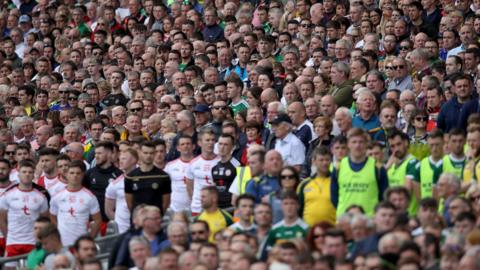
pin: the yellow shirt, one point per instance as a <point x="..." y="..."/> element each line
<point x="315" y="201"/>
<point x="471" y="171"/>
<point x="217" y="221"/>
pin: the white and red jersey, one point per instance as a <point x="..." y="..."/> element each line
<point x="179" y="199"/>
<point x="2" y="190"/>
<point x="200" y="171"/>
<point x="23" y="208"/>
<point x="116" y="191"/>
<point x="46" y="182"/>
<point x="56" y="188"/>
<point x="73" y="210"/>
<point x="14" y="175"/>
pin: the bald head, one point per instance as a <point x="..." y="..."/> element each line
<point x="268" y="95"/>
<point x="328" y="105"/>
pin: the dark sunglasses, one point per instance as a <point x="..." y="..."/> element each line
<point x="421" y="118"/>
<point x="72" y="98"/>
<point x="398" y="67"/>
<point x="219" y="108"/>
<point x="135" y="109"/>
<point x="10" y="153"/>
<point x="389" y="68"/>
<point x="406" y="48"/>
<point x="289" y="176"/>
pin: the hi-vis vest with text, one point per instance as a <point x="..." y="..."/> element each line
<point x="357" y="187"/>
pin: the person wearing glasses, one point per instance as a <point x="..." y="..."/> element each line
<point x="402" y="80"/>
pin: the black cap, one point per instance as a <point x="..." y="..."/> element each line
<point x="282" y="117"/>
<point x="201" y="108"/>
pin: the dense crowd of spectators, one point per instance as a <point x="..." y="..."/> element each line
<point x="240" y="135"/>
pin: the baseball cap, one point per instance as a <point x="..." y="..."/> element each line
<point x="24" y="19"/>
<point x="282" y="117"/>
<point x="201" y="108"/>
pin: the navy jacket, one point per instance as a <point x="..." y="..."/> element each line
<point x="472" y="106"/>
<point x="449" y="115"/>
<point x="212" y="33"/>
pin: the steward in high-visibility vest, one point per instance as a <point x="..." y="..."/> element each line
<point x="358" y="179"/>
<point x="455" y="161"/>
<point x="430" y="168"/>
<point x="471" y="171"/>
<point x="401" y="166"/>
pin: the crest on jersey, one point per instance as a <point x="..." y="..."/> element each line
<point x="135" y="187"/>
<point x="155" y="185"/>
<point x="228" y="172"/>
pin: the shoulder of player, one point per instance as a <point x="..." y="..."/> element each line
<point x="117" y="180"/>
<point x="10" y="189"/>
<point x="196" y="159"/>
<point x="87" y="191"/>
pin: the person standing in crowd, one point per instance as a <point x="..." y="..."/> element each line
<point x="173" y="82"/>
<point x="358" y="180"/>
<point x="147" y="184"/>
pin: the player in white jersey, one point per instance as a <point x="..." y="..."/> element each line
<point x="199" y="174"/>
<point x="22" y="152"/>
<point x="20" y="206"/>
<point x="177" y="170"/>
<point x="48" y="164"/>
<point x="115" y="204"/>
<point x="72" y="208"/>
<point x="4" y="185"/>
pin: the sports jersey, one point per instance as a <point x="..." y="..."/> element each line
<point x="237" y="227"/>
<point x="427" y="174"/>
<point x="56" y="187"/>
<point x="148" y="187"/>
<point x="116" y="191"/>
<point x="73" y="210"/>
<point x="315" y="201"/>
<point x="242" y="105"/>
<point x="179" y="199"/>
<point x="2" y="190"/>
<point x="97" y="179"/>
<point x="217" y="221"/>
<point x="281" y="232"/>
<point x="14" y="176"/>
<point x="200" y="171"/>
<point x="46" y="182"/>
<point x="23" y="208"/>
<point x="223" y="175"/>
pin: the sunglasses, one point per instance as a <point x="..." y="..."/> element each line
<point x="72" y="98"/>
<point x="398" y="67"/>
<point x="474" y="199"/>
<point x="289" y="176"/>
<point x="404" y="48"/>
<point x="422" y="118"/>
<point x="10" y="153"/>
<point x="389" y="68"/>
<point x="135" y="109"/>
<point x="62" y="92"/>
<point x="306" y="25"/>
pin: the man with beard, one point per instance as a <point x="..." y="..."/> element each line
<point x="401" y="164"/>
<point x="97" y="178"/>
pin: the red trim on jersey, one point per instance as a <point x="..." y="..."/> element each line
<point x="28" y="190"/>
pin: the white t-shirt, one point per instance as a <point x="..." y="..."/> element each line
<point x="177" y="169"/>
<point x="56" y="188"/>
<point x="14" y="176"/>
<point x="116" y="191"/>
<point x="200" y="171"/>
<point x="23" y="208"/>
<point x="2" y="190"/>
<point x="73" y="210"/>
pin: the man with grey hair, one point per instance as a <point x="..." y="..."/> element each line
<point x="361" y="226"/>
<point x="342" y="86"/>
<point x="419" y="61"/>
<point x="447" y="188"/>
<point x="343" y="119"/>
<point x="287" y="144"/>
<point x="402" y="80"/>
<point x="185" y="126"/>
<point x="366" y="118"/>
<point x="343" y="48"/>
<point x="177" y="236"/>
<point x="139" y="248"/>
<point x="188" y="258"/>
